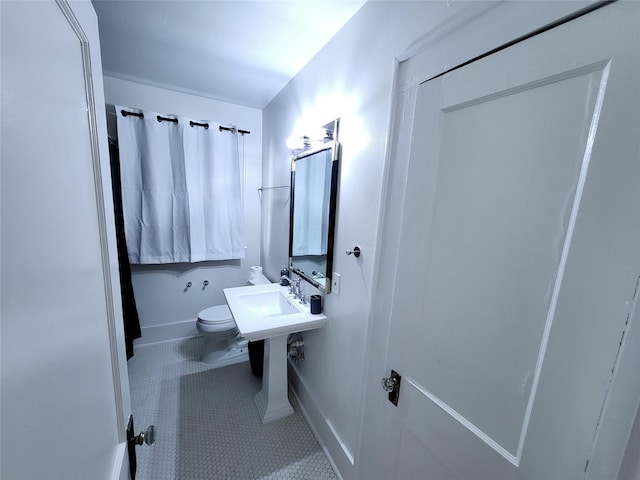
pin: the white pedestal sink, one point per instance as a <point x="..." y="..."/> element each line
<point x="272" y="403"/>
<point x="271" y="313"/>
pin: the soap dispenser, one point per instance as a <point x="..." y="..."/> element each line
<point x="284" y="276"/>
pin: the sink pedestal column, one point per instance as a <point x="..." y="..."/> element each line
<point x="273" y="400"/>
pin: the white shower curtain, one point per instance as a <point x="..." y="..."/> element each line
<point x="181" y="190"/>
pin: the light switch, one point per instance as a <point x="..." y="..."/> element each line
<point x="335" y="283"/>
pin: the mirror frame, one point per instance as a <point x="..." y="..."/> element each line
<point x="335" y="146"/>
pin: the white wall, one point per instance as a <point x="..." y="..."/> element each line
<point x="352" y="78"/>
<point x="167" y="309"/>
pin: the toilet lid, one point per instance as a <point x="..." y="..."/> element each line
<point x="216" y="315"/>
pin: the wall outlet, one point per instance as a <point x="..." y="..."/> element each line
<point x="335" y="283"/>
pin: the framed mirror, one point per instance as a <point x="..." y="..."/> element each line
<point x="314" y="189"/>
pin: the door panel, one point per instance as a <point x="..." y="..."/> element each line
<point x="510" y="301"/>
<point x="63" y="401"/>
<point x="415" y="462"/>
<point x="500" y="221"/>
<point x="459" y="446"/>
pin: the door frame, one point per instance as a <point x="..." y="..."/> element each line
<point x="439" y="51"/>
<point x="79" y="14"/>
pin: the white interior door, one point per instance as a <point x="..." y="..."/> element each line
<point x="64" y="377"/>
<point x="519" y="259"/>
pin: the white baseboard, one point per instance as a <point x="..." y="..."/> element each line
<point x="167" y="332"/>
<point x="341" y="459"/>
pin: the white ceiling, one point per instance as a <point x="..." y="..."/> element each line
<point x="239" y="51"/>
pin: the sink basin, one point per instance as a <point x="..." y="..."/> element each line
<point x="269" y="304"/>
<point x="265" y="311"/>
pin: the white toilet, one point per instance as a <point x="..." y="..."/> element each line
<point x="221" y="337"/>
<point x="219" y="330"/>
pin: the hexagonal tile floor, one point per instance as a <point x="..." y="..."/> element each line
<point x="207" y="424"/>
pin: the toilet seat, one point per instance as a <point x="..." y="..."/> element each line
<point x="216" y="315"/>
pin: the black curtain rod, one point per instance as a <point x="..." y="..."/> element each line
<point x="165" y="119"/>
<point x="191" y="123"/>
<point x="133" y="114"/>
<point x="234" y="130"/>
<point x="196" y="124"/>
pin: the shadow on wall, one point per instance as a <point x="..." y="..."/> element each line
<point x="181" y="268"/>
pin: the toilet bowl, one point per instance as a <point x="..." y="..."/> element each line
<point x="219" y="330"/>
<point x="222" y="340"/>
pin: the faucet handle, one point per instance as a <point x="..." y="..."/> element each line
<point x="294" y="286"/>
<point x="303" y="298"/>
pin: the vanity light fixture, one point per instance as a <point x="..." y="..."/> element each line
<point x="298" y="144"/>
<point x="305" y="142"/>
<point x="328" y="135"/>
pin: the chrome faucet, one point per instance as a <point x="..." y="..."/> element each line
<point x="295" y="288"/>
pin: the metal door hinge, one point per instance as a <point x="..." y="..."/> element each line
<point x="392" y="385"/>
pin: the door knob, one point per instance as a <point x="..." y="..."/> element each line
<point x="148" y="436"/>
<point x="389" y="384"/>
